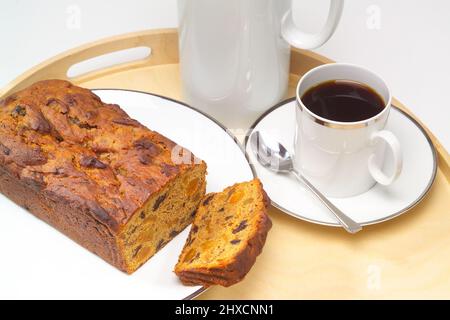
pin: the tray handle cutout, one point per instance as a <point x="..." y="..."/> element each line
<point x="108" y="60"/>
<point x="93" y="60"/>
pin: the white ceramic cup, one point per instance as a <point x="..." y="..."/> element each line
<point x="344" y="159"/>
<point x="234" y="54"/>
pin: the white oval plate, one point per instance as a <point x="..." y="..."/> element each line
<point x="39" y="262"/>
<point x="374" y="206"/>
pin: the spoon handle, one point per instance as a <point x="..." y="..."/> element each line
<point x="348" y="224"/>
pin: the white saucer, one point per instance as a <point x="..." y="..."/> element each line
<point x="44" y="264"/>
<point x="377" y="205"/>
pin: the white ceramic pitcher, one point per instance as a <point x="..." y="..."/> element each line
<point x="235" y="54"/>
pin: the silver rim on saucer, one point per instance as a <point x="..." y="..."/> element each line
<point x="236" y="141"/>
<point x="392" y="216"/>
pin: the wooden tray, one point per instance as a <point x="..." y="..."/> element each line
<point x="407" y="257"/>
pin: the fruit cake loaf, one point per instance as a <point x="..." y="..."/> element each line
<point x="228" y="233"/>
<point x="85" y="167"/>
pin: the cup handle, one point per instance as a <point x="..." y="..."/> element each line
<point x="302" y="40"/>
<point x="391" y="140"/>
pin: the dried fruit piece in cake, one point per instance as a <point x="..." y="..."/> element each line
<point x="228" y="233"/>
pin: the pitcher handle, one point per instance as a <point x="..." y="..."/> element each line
<point x="303" y="40"/>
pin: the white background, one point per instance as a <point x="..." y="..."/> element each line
<point x="407" y="42"/>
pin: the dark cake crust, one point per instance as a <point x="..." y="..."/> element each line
<point x="78" y="225"/>
<point x="82" y="165"/>
<point x="232" y="272"/>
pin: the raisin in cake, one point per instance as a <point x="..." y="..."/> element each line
<point x="103" y="179"/>
<point x="228" y="233"/>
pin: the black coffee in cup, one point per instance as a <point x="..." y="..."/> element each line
<point x="343" y="101"/>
